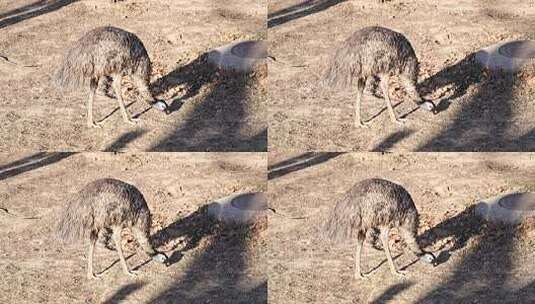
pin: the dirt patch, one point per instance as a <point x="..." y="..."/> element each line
<point x="211" y="112"/>
<point x="479" y="262"/>
<point x="478" y="111"/>
<point x="211" y="262"/>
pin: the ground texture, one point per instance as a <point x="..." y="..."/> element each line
<point x="479" y="262"/>
<point x="211" y="111"/>
<point x="478" y="111"/>
<point x="211" y="263"/>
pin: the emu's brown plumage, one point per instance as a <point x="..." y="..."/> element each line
<point x="106" y="52"/>
<point x="104" y="205"/>
<point x="376" y="51"/>
<point x="370" y="205"/>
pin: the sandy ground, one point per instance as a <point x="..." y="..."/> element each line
<point x="478" y="111"/>
<point x="212" y="264"/>
<point x="211" y="111"/>
<point x="214" y="111"/>
<point x="480" y="262"/>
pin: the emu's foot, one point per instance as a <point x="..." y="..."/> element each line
<point x="132" y="121"/>
<point x="361" y="124"/>
<point x="93" y="124"/>
<point x="400" y="273"/>
<point x="131" y="273"/>
<point x="93" y="276"/>
<point x="359" y="275"/>
<point x="400" y="121"/>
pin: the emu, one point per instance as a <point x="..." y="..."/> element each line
<point x="103" y="53"/>
<point x="376" y="52"/>
<point x="104" y="206"/>
<point x="371" y="206"/>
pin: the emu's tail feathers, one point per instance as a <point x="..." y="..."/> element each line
<point x="343" y="223"/>
<point x="76" y="222"/>
<point x="343" y="69"/>
<point x="76" y="69"/>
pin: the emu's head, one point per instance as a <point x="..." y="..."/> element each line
<point x="428" y="106"/>
<point x="429" y="258"/>
<point x="161" y="257"/>
<point x="160" y="105"/>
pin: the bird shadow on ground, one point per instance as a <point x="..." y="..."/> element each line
<point x="32" y="162"/>
<point x="373" y="269"/>
<point x="192" y="228"/>
<point x="458" y="77"/>
<point x="110" y="266"/>
<point x="460" y="228"/>
<point x="218" y="274"/>
<point x="194" y="75"/>
<point x="106" y="91"/>
<point x="383" y="109"/>
<point x="372" y="90"/>
<point x="299" y="10"/>
<point x="485" y="120"/>
<point x="32" y="10"/>
<point x="484" y="273"/>
<point x="107" y="116"/>
<point x="216" y="122"/>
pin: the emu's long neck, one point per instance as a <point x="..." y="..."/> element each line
<point x="144" y="89"/>
<point x="409" y="232"/>
<point x="413" y="245"/>
<point x="141" y="231"/>
<point x="142" y="238"/>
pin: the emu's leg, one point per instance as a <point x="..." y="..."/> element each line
<point x="92" y="240"/>
<point x="358" y="256"/>
<point x="117" y="89"/>
<point x="361" y="83"/>
<point x="384" y="87"/>
<point x="143" y="241"/>
<point x="117" y="240"/>
<point x="92" y="89"/>
<point x="384" y="240"/>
